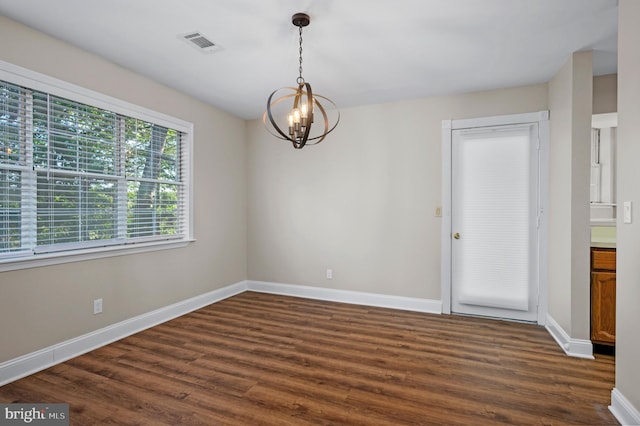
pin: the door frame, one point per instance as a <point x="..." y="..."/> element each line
<point x="448" y="126"/>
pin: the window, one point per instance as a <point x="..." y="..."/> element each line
<point x="76" y="176"/>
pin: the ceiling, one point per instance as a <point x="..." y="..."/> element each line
<point x="356" y="52"/>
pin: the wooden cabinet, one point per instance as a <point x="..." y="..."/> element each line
<point x="603" y="296"/>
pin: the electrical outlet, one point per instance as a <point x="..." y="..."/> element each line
<point x="329" y="274"/>
<point x="97" y="306"/>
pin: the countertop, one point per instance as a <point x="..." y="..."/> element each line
<point x="603" y="236"/>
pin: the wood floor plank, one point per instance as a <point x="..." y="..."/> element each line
<point x="261" y="359"/>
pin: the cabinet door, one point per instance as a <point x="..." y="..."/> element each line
<point x="603" y="307"/>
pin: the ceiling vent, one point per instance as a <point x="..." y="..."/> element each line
<point x="200" y="42"/>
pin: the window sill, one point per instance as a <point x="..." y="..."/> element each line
<point x="48" y="259"/>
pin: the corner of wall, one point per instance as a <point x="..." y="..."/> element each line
<point x="577" y="348"/>
<point x="623" y="410"/>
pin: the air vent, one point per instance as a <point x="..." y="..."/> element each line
<point x="199" y="41"/>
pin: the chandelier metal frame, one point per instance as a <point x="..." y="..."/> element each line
<point x="304" y="105"/>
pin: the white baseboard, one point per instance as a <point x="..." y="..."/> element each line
<point x="25" y="365"/>
<point x="623" y="410"/>
<point x="346" y="296"/>
<point x="573" y="347"/>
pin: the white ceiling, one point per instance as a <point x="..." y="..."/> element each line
<point x="356" y="52"/>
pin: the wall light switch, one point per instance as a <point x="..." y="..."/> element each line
<point x="626" y="212"/>
<point x="438" y="212"/>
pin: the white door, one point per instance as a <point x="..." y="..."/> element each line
<point x="494" y="221"/>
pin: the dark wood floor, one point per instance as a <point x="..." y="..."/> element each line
<point x="262" y="359"/>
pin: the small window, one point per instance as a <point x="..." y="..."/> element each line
<point x="77" y="176"/>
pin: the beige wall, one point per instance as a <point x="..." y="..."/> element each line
<point x="559" y="254"/>
<point x="580" y="182"/>
<point x="605" y="93"/>
<point x="570" y="103"/>
<point x="43" y="306"/>
<point x="628" y="244"/>
<point x="362" y="202"/>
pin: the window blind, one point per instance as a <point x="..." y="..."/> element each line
<point x="17" y="211"/>
<point x="76" y="176"/>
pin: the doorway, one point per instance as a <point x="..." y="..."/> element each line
<point x="494" y="220"/>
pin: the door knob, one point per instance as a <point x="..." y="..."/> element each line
<point x="456" y="235"/>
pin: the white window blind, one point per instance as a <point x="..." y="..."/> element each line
<point x="17" y="210"/>
<point x="596" y="168"/>
<point x="493" y="213"/>
<point x="76" y="176"/>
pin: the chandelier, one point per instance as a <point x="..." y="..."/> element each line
<point x="305" y="106"/>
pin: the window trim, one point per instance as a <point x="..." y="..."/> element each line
<point x="41" y="82"/>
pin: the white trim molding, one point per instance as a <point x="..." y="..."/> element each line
<point x="623" y="410"/>
<point x="577" y="348"/>
<point x="46" y="259"/>
<point x="346" y="296"/>
<point x="445" y="230"/>
<point x="25" y="365"/>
